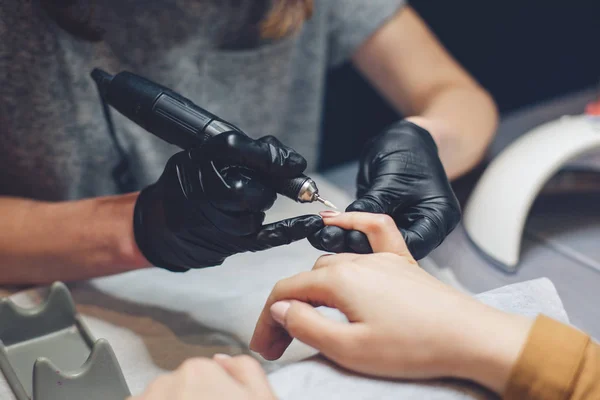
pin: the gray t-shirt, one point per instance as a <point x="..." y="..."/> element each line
<point x="55" y="141"/>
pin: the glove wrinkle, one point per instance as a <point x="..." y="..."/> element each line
<point x="287" y="231"/>
<point x="358" y="242"/>
<point x="330" y="239"/>
<point x="288" y="163"/>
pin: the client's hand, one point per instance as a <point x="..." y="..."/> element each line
<point x="239" y="378"/>
<point x="403" y="322"/>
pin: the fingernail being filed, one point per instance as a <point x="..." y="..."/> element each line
<point x="329" y="214"/>
<point x="279" y="311"/>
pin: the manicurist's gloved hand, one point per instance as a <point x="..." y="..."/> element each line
<point x="400" y="175"/>
<point x="209" y="204"/>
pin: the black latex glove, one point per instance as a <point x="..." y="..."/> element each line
<point x="209" y="204"/>
<point x="400" y="175"/>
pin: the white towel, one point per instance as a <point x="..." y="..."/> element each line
<point x="319" y="379"/>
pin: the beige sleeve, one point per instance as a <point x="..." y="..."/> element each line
<point x="558" y="362"/>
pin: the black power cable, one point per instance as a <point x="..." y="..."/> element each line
<point x="122" y="172"/>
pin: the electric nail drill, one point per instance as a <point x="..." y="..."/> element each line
<point x="180" y="122"/>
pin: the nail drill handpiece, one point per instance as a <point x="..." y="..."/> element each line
<point x="179" y="121"/>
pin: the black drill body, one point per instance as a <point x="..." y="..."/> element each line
<point x="180" y="122"/>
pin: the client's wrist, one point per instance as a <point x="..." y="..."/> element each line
<point x="494" y="344"/>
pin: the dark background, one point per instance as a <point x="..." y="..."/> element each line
<point x="522" y="51"/>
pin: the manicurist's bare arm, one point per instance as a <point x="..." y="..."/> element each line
<point x="409" y="66"/>
<point x="43" y="242"/>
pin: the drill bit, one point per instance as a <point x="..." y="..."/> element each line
<point x="326" y="202"/>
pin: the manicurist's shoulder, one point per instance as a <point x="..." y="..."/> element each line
<point x="360" y="8"/>
<point x="351" y="22"/>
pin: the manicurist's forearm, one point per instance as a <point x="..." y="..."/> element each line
<point x="41" y="242"/>
<point x="412" y="70"/>
<point x="462" y="120"/>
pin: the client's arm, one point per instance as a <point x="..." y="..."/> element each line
<point x="557" y="362"/>
<point x="406" y="324"/>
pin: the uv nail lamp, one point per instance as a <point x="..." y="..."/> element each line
<point x="497" y="210"/>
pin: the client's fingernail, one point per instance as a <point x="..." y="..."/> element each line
<point x="221" y="357"/>
<point x="279" y="311"/>
<point x="329" y="214"/>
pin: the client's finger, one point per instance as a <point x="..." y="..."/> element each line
<point x="314" y="287"/>
<point x="329" y="260"/>
<point x="381" y="230"/>
<point x="303" y="322"/>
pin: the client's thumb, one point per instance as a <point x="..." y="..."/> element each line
<point x="303" y="322"/>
